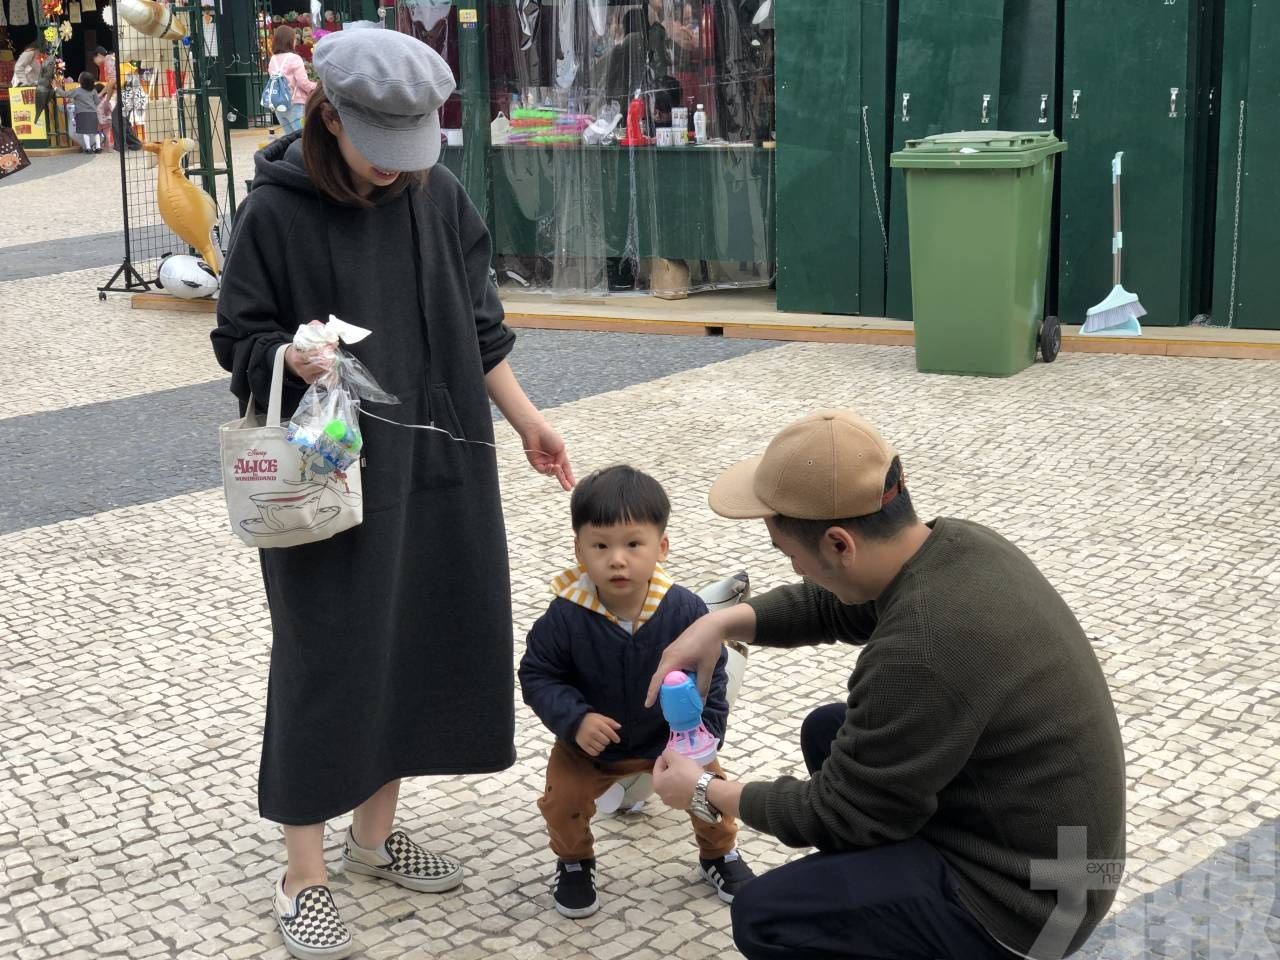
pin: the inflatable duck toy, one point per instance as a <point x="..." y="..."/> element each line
<point x="185" y="208"/>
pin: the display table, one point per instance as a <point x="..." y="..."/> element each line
<point x="685" y="203"/>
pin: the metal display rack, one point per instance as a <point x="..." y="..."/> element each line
<point x="182" y="90"/>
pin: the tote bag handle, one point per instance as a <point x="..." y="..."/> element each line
<point x="277" y="388"/>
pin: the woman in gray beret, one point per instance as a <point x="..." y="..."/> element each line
<point x="392" y="642"/>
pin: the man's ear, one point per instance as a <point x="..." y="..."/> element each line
<point x="839" y="544"/>
<point x="663" y="546"/>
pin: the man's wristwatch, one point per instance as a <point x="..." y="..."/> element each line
<point x="702" y="807"/>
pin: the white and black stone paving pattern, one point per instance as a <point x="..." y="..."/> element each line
<point x="135" y="639"/>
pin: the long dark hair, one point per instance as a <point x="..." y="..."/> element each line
<point x="326" y="166"/>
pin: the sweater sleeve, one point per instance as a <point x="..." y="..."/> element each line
<point x="804" y="613"/>
<point x="249" y="330"/>
<point x="545" y="675"/>
<point x="905" y="736"/>
<point x="496" y="339"/>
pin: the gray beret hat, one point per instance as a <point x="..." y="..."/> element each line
<point x="387" y="88"/>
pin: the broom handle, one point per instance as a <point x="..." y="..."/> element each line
<point x="1117" y="237"/>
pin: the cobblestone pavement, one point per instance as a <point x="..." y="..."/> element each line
<point x="133" y="668"/>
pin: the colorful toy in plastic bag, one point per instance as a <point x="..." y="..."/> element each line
<point x="326" y="424"/>
<point x="682" y="708"/>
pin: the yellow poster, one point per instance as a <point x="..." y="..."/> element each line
<point x="22" y="106"/>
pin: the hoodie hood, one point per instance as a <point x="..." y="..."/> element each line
<point x="280" y="163"/>
<point x="575" y="586"/>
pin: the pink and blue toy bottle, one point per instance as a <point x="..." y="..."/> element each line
<point x="682" y="708"/>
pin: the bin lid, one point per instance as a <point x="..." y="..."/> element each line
<point x="978" y="149"/>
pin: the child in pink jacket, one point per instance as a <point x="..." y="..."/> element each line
<point x="285" y="61"/>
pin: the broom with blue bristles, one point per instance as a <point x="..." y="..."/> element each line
<point x="1117" y="315"/>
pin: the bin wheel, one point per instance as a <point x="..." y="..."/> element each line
<point x="1050" y="339"/>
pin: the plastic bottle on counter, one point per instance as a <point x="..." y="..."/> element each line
<point x="700" y="125"/>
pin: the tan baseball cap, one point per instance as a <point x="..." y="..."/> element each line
<point x="829" y="466"/>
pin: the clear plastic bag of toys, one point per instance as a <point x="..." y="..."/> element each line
<point x="326" y="425"/>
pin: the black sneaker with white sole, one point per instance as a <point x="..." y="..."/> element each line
<point x="402" y="861"/>
<point x="310" y="924"/>
<point x="575" y="888"/>
<point x="728" y="874"/>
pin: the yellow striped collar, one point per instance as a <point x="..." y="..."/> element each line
<point x="575" y="586"/>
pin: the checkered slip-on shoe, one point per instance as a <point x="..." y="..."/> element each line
<point x="402" y="861"/>
<point x="310" y="925"/>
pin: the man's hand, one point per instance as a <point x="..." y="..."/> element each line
<point x="698" y="648"/>
<point x="595" y="732"/>
<point x="674" y="777"/>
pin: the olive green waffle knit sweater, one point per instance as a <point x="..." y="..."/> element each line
<point x="978" y="719"/>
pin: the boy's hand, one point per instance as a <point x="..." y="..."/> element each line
<point x="595" y="732"/>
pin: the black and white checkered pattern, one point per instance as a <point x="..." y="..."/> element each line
<point x="315" y="924"/>
<point x="410" y="860"/>
<point x="409" y="865"/>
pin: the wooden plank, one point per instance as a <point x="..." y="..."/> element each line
<point x="162" y="301"/>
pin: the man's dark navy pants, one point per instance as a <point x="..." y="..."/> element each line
<point x="895" y="902"/>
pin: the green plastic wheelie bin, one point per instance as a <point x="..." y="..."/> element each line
<point x="979" y="206"/>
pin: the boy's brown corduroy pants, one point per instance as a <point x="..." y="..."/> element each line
<point x="573" y="784"/>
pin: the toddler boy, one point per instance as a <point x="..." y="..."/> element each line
<point x="586" y="670"/>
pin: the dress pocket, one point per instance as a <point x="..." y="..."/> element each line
<point x="400" y="461"/>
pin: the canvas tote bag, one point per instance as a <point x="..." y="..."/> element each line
<point x="277" y="494"/>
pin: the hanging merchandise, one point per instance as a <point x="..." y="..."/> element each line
<point x="44" y="91"/>
<point x="528" y="11"/>
<point x="12" y="157"/>
<point x="4" y="21"/>
<point x="20" y="13"/>
<point x="73" y="13"/>
<point x="566" y="23"/>
<point x="599" y="10"/>
<point x="186" y="209"/>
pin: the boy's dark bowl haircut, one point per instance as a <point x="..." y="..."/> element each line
<point x="619" y="494"/>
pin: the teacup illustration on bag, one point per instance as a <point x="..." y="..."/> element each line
<point x="284" y="511"/>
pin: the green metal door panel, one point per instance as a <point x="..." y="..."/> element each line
<point x="873" y="162"/>
<point x="1246" y="279"/>
<point x="819" y="138"/>
<point x="948" y="59"/>
<point x="1125" y="61"/>
<point x="1028" y="66"/>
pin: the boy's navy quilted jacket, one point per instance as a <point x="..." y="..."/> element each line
<point x="578" y="659"/>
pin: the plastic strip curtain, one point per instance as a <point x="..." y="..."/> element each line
<point x="598" y="183"/>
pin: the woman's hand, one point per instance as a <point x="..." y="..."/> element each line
<point x="308" y="366"/>
<point x="545" y="450"/>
